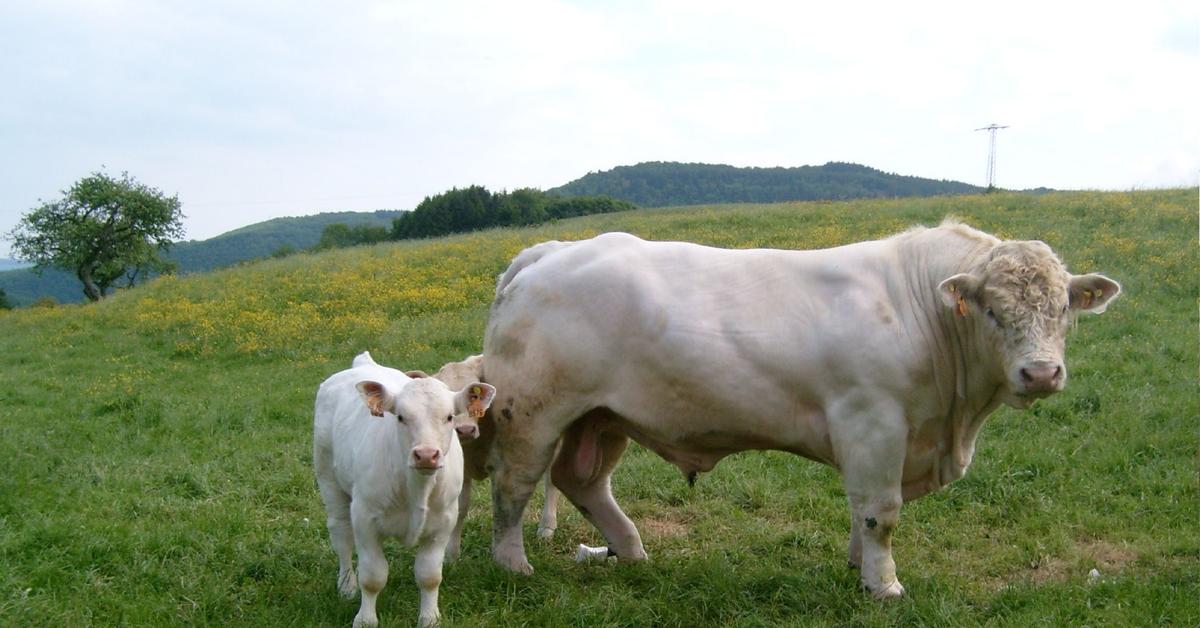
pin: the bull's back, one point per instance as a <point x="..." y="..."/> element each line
<point x="728" y="338"/>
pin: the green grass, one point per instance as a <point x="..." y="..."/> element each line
<point x="154" y="449"/>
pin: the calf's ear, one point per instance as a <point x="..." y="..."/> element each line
<point x="475" y="399"/>
<point x="1092" y="293"/>
<point x="377" y="398"/>
<point x="958" y="291"/>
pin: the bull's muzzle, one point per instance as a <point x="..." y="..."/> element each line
<point x="1042" y="377"/>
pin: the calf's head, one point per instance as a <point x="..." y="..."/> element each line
<point x="1022" y="301"/>
<point x="426" y="409"/>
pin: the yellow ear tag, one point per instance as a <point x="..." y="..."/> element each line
<point x="962" y="306"/>
<point x="475" y="406"/>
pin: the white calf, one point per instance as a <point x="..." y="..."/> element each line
<point x="457" y="375"/>
<point x="388" y="464"/>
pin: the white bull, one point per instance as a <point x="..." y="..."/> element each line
<point x="475" y="443"/>
<point x="881" y="359"/>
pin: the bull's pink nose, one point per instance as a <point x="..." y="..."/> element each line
<point x="426" y="457"/>
<point x="469" y="431"/>
<point x="1042" y="376"/>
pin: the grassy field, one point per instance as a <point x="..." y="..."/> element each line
<point x="155" y="448"/>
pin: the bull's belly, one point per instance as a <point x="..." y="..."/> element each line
<point x="695" y="439"/>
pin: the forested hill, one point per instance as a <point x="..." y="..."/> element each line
<point x="255" y="241"/>
<point x="664" y="183"/>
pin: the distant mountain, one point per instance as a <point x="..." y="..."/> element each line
<point x="255" y="241"/>
<point x="11" y="264"/>
<point x="664" y="183"/>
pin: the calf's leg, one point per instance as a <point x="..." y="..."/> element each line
<point x="341" y="534"/>
<point x="427" y="569"/>
<point x="372" y="569"/>
<point x="548" y="521"/>
<point x="454" y="545"/>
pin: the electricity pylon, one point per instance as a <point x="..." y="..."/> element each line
<point x="991" y="172"/>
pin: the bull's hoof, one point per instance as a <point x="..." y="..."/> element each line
<point x="518" y="564"/>
<point x="891" y="591"/>
<point x="365" y="621"/>
<point x="545" y="534"/>
<point x="428" y="621"/>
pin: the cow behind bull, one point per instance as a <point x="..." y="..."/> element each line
<point x="881" y="359"/>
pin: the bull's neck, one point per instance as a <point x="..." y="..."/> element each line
<point x="965" y="386"/>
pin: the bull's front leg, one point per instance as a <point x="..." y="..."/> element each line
<point x="870" y="442"/>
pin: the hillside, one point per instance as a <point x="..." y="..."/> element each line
<point x="246" y="243"/>
<point x="173" y="424"/>
<point x="662" y="184"/>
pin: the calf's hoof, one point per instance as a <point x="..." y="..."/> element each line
<point x="365" y="621"/>
<point x="348" y="585"/>
<point x="427" y="621"/>
<point x="545" y="534"/>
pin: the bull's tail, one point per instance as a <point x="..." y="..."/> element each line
<point x="527" y="258"/>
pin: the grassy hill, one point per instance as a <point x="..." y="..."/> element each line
<point x="662" y="184"/>
<point x="247" y="243"/>
<point x="155" y="448"/>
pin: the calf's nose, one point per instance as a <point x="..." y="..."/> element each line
<point x="426" y="457"/>
<point x="467" y="432"/>
<point x="1042" y="377"/>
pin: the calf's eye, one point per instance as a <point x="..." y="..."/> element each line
<point x="992" y="316"/>
<point x="450" y="418"/>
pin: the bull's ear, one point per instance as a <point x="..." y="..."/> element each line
<point x="957" y="291"/>
<point x="416" y="374"/>
<point x="1092" y="293"/>
<point x="377" y="398"/>
<point x="475" y="399"/>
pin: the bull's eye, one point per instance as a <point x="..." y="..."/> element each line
<point x="992" y="317"/>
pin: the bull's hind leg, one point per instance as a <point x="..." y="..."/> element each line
<point x="583" y="472"/>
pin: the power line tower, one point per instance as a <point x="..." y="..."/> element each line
<point x="991" y="173"/>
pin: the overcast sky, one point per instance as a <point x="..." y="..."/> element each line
<point x="252" y="110"/>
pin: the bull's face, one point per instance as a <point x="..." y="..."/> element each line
<point x="1022" y="301"/>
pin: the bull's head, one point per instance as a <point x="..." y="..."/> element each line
<point x="1022" y="301"/>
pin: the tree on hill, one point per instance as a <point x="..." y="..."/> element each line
<point x="340" y="235"/>
<point x="4" y="304"/>
<point x="103" y="230"/>
<point x="659" y="184"/>
<point x="474" y="208"/>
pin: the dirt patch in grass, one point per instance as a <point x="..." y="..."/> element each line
<point x="662" y="528"/>
<point x="1108" y="558"/>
